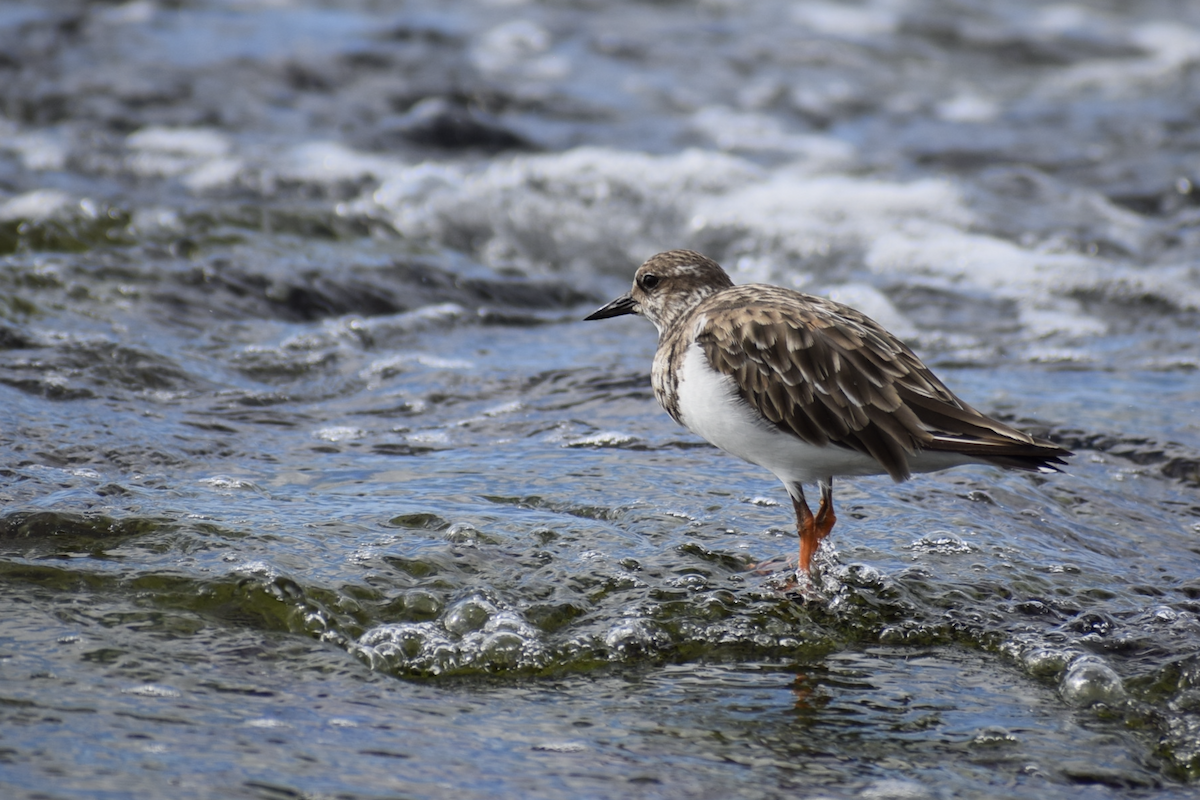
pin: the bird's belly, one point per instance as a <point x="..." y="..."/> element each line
<point x="711" y="408"/>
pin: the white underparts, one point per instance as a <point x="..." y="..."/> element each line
<point x="711" y="408"/>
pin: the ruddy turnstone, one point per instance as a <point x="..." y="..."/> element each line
<point x="806" y="387"/>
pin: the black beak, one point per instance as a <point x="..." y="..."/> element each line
<point x="619" y="307"/>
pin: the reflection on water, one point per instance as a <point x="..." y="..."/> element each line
<point x="314" y="483"/>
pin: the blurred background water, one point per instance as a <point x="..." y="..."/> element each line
<point x="314" y="484"/>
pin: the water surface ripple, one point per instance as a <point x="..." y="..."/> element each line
<point x="314" y="484"/>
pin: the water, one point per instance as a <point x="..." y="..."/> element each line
<point x="315" y="484"/>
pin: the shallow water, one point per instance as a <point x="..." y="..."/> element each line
<point x="315" y="484"/>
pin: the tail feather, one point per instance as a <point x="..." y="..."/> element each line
<point x="958" y="428"/>
<point x="1033" y="455"/>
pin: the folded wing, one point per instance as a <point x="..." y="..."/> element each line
<point x="834" y="377"/>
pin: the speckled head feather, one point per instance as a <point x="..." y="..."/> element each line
<point x="667" y="287"/>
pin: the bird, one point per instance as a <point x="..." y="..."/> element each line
<point x="806" y="387"/>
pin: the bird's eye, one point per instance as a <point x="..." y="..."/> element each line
<point x="649" y="281"/>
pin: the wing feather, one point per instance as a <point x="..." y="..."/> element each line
<point x="832" y="376"/>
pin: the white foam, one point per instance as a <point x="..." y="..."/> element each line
<point x="214" y="174"/>
<point x="152" y="690"/>
<point x="953" y="258"/>
<point x="39" y="150"/>
<point x="38" y="205"/>
<point x="156" y="219"/>
<point x="1171" y="48"/>
<point x="339" y="433"/>
<point x="602" y="439"/>
<point x="1175" y="284"/>
<point x="600" y="210"/>
<point x="591" y="208"/>
<point x="968" y="107"/>
<point x="1047" y="316"/>
<point x="895" y="789"/>
<point x="503" y="409"/>
<point x="331" y="162"/>
<point x="198" y="142"/>
<point x="198" y="156"/>
<point x="351" y="331"/>
<point x="227" y="483"/>
<point x="854" y="22"/>
<point x="766" y="268"/>
<point x="808" y="215"/>
<point x="266" y="722"/>
<point x="572" y="746"/>
<point x="520" y="46"/>
<point x="1171" y="43"/>
<point x="429" y="437"/>
<point x="135" y="12"/>
<point x="754" y="132"/>
<point x="874" y="304"/>
<point x="437" y="362"/>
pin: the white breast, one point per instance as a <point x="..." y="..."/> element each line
<point x="710" y="408"/>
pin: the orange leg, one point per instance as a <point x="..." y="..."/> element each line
<point x="813" y="529"/>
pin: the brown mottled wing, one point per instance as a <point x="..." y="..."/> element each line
<point x="833" y="376"/>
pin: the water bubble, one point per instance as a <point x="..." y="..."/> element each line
<point x="406" y="645"/>
<point x="468" y="615"/>
<point x="466" y="533"/>
<point x="993" y="736"/>
<point x="941" y="543"/>
<point x="339" y="433"/>
<point x="1044" y="661"/>
<point x="1089" y="681"/>
<point x="634" y="637"/>
<point x="1164" y="614"/>
<point x="510" y="621"/>
<point x="503" y="648"/>
<point x="862" y="576"/>
<point x="422" y="604"/>
<point x="226" y="483"/>
<point x="690" y="581"/>
<point x="1186" y="702"/>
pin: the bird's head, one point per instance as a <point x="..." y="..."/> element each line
<point x="666" y="287"/>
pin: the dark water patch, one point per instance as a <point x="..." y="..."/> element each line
<point x="225" y="289"/>
<point x="1170" y="459"/>
<point x="948" y="311"/>
<point x="1177" y="197"/>
<point x="63" y="530"/>
<point x="1016" y="41"/>
<point x="79" y="370"/>
<point x="437" y="122"/>
<point x="400" y="449"/>
<point x="425" y="521"/>
<point x="69" y="230"/>
<point x="575" y="510"/>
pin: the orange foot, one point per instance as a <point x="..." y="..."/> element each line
<point x="813" y="529"/>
